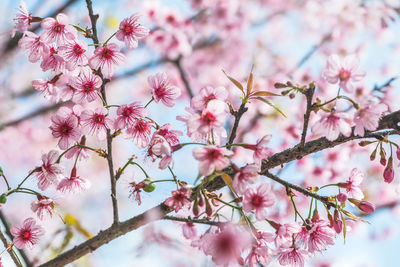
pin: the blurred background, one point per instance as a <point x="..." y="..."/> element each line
<point x="283" y="39"/>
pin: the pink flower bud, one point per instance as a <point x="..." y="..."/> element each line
<point x="366" y="207"/>
<point x="388" y="174"/>
<point x="398" y="153"/>
<point x="342" y="197"/>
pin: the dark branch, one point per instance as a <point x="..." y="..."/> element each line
<point x="9" y="250"/>
<point x="238" y="115"/>
<point x="309" y="95"/>
<point x="182" y="73"/>
<point x="192" y="220"/>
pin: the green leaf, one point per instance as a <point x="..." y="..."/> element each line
<point x="344" y="228"/>
<point x="235" y="82"/>
<point x="270" y="104"/>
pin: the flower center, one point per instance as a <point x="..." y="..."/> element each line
<point x="209" y="118"/>
<point x="26" y="235"/>
<point x="257" y="201"/>
<point x="78" y="50"/>
<point x="344" y="75"/>
<point x="99" y="118"/>
<point x="107" y="53"/>
<point x="58" y="28"/>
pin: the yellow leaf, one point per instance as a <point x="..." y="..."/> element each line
<point x="270" y="104"/>
<point x="235" y="82"/>
<point x="228" y="180"/>
<point x="264" y="93"/>
<point x="73" y="222"/>
<point x="352" y="216"/>
<point x="250" y="83"/>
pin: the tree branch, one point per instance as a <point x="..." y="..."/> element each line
<point x="113" y="181"/>
<point x="9" y="250"/>
<point x="309" y="95"/>
<point x="238" y="115"/>
<point x="182" y="73"/>
<point x="192" y="220"/>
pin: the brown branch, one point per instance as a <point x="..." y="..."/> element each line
<point x="25" y="257"/>
<point x="192" y="220"/>
<point x="238" y="115"/>
<point x="182" y="73"/>
<point x="309" y="95"/>
<point x="9" y="250"/>
<point x="34" y="114"/>
<point x="296" y="187"/>
<point x="113" y="180"/>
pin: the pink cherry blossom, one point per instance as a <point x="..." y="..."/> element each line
<point x="247" y="175"/>
<point x="130" y="31"/>
<point x="211" y="158"/>
<point x="206" y="94"/>
<point x="86" y="86"/>
<point x="106" y="57"/>
<point x="353" y="184"/>
<point x="162" y="90"/>
<point x="189" y="230"/>
<point x="96" y="122"/>
<point x="48" y="88"/>
<point x="74" y="54"/>
<point x="140" y="132"/>
<point x="207" y="125"/>
<point x="260" y="254"/>
<point x="73" y="183"/>
<point x="179" y="199"/>
<point x="284" y="233"/>
<point x="331" y="125"/>
<point x="23" y="18"/>
<point x="261" y="151"/>
<point x="172" y="136"/>
<point x="226" y="246"/>
<point x="258" y="200"/>
<point x="159" y="147"/>
<point x="53" y="61"/>
<point x="128" y="114"/>
<point x="66" y="128"/>
<point x="43" y="206"/>
<point x="50" y="170"/>
<point x="343" y="70"/>
<point x="320" y="236"/>
<point x="26" y="235"/>
<point x="35" y="44"/>
<point x="368" y="118"/>
<point x="292" y="256"/>
<point x="58" y="29"/>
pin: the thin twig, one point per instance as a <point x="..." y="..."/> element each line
<point x="238" y="115"/>
<point x="9" y="250"/>
<point x="309" y="95"/>
<point x="113" y="181"/>
<point x="192" y="220"/>
<point x="183" y="76"/>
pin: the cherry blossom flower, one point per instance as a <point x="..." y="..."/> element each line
<point x="207" y="125"/>
<point x="23" y="18"/>
<point x="74" y="54"/>
<point x="86" y="86"/>
<point x="261" y="151"/>
<point x="162" y="89"/>
<point x="226" y="246"/>
<point x="170" y="135"/>
<point x="211" y="158"/>
<point x="206" y="94"/>
<point x="50" y="170"/>
<point x="48" y="88"/>
<point x="74" y="183"/>
<point x="26" y="235"/>
<point x="35" y="44"/>
<point x="247" y="175"/>
<point x="343" y="70"/>
<point x="258" y="200"/>
<point x="259" y="254"/>
<point x="353" y="184"/>
<point x="58" y="29"/>
<point x="331" y="125"/>
<point x="106" y="57"/>
<point x="66" y="128"/>
<point x="284" y="233"/>
<point x="368" y="118"/>
<point x="292" y="256"/>
<point x="179" y="199"/>
<point x="127" y="115"/>
<point x="140" y="132"/>
<point x="135" y="190"/>
<point x="42" y="206"/>
<point x="189" y="230"/>
<point x="130" y="31"/>
<point x="320" y="236"/>
<point x="159" y="147"/>
<point x="96" y="122"/>
<point x="53" y="61"/>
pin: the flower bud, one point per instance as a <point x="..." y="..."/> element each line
<point x="342" y="197"/>
<point x="366" y="207"/>
<point x="398" y="153"/>
<point x="3" y="199"/>
<point x="388" y="174"/>
<point x="291" y="95"/>
<point x="209" y="210"/>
